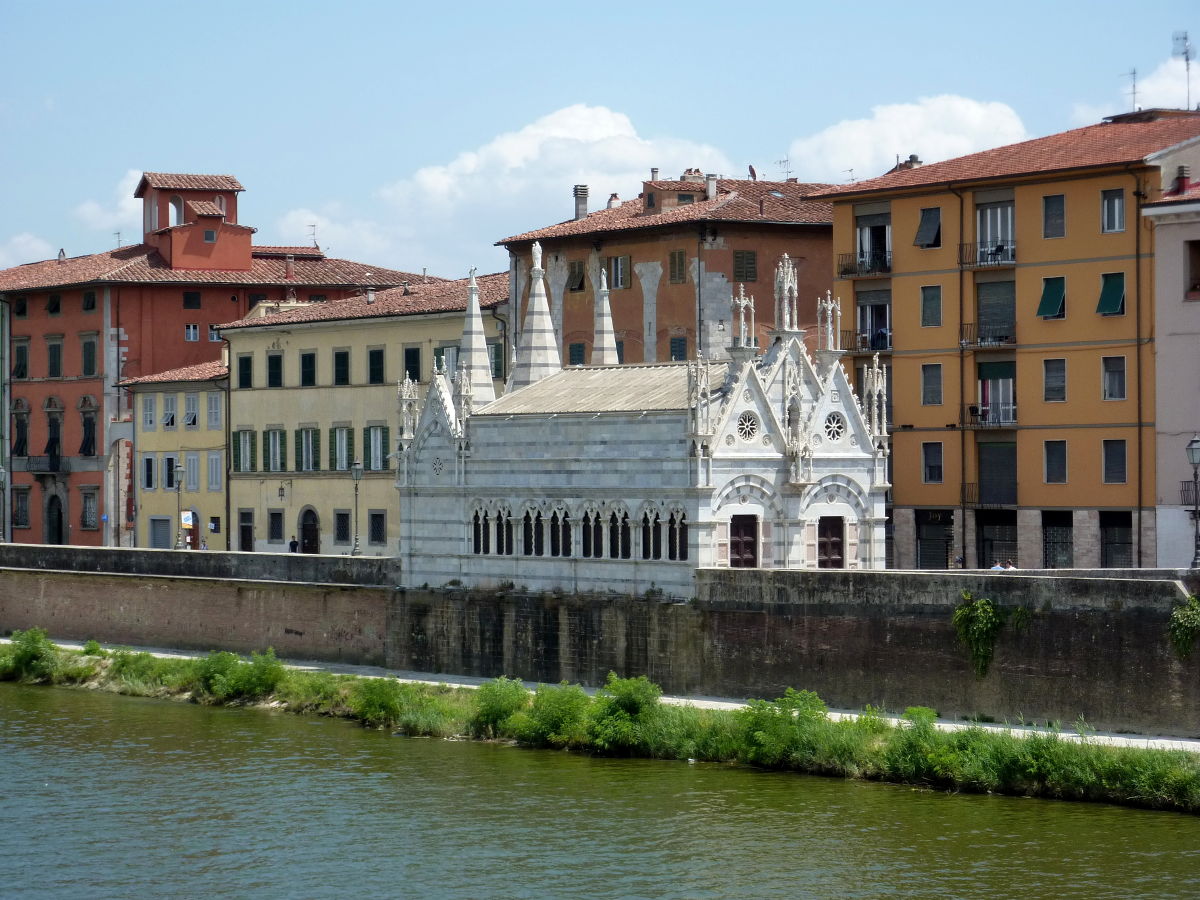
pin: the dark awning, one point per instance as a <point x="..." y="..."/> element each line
<point x="1112" y="294"/>
<point x="929" y="231"/>
<point x="1053" y="292"/>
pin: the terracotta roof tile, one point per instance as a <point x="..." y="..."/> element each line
<point x="141" y="263"/>
<point x="206" y="208"/>
<point x="1106" y="144"/>
<point x="776" y="202"/>
<point x="422" y="299"/>
<point x="206" y="371"/>
<point x="314" y="252"/>
<point x="168" y="181"/>
<point x="1191" y="195"/>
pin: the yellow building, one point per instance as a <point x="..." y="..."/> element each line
<point x="1013" y="292"/>
<point x="179" y="454"/>
<point x="313" y="391"/>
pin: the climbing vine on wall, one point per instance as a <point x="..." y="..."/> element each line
<point x="979" y="622"/>
<point x="1184" y="626"/>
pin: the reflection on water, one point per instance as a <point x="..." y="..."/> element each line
<point x="109" y="796"/>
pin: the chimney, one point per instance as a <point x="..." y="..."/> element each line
<point x="289" y="267"/>
<point x="424" y="274"/>
<point x="654" y="173"/>
<point x="913" y="161"/>
<point x="581" y="194"/>
<point x="370" y="295"/>
<point x="1183" y="180"/>
<point x="62" y="255"/>
<point x="404" y="284"/>
<point x="613" y="200"/>
<point x="710" y="186"/>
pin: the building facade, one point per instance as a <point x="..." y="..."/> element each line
<point x="673" y="258"/>
<point x="79" y="325"/>
<point x="1012" y="292"/>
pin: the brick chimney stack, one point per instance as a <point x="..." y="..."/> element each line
<point x="581" y="198"/>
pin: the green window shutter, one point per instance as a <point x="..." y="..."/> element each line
<point x="237" y="451"/>
<point x="332" y="449"/>
<point x="266" y="451"/>
<point x="253" y="451"/>
<point x="1054" y="291"/>
<point x="366" y="448"/>
<point x="282" y="450"/>
<point x="299" y="447"/>
<point x="929" y="232"/>
<point x="387" y="446"/>
<point x="316" y="449"/>
<point x="349" y="446"/>
<point x="1112" y="294"/>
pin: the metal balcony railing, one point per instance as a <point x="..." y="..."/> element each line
<point x="970" y="334"/>
<point x="860" y="265"/>
<point x="987" y="254"/>
<point x="45" y="464"/>
<point x="989" y="415"/>
<point x="1187" y="493"/>
<point x="865" y="342"/>
<point x="993" y="494"/>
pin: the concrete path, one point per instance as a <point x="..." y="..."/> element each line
<point x="1112" y="739"/>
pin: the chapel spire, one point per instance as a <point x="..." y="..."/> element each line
<point x="604" y="342"/>
<point x="538" y="354"/>
<point x="473" y="353"/>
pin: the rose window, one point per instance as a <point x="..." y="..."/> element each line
<point x="835" y="426"/>
<point x="747" y="426"/>
<point x="437" y="466"/>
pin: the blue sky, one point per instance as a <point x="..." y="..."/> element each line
<point x="419" y="134"/>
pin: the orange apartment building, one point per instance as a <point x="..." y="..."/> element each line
<point x="1013" y="292"/>
<point x="673" y="257"/>
<point x="76" y="326"/>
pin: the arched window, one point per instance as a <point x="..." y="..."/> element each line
<point x="477" y="534"/>
<point x="614" y="536"/>
<point x="504" y="533"/>
<point x="565" y="525"/>
<point x="626" y="537"/>
<point x="677" y="536"/>
<point x="555" y="537"/>
<point x="539" y="536"/>
<point x="486" y="534"/>
<point x="220" y="201"/>
<point x="176" y="210"/>
<point x="593" y="535"/>
<point x="646" y="535"/>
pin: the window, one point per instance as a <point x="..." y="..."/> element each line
<point x="618" y="272"/>
<point x="678" y="349"/>
<point x="931" y="306"/>
<point x="1055" y="454"/>
<point x="375" y="365"/>
<point x="620" y="544"/>
<point x="341" y="526"/>
<point x="496" y="359"/>
<point x="54" y="357"/>
<point x="1112" y="210"/>
<point x="576" y="274"/>
<point x="745" y="265"/>
<point x="1114" y="462"/>
<point x="214" y="334"/>
<point x="341" y="448"/>
<point x="1058" y="539"/>
<point x="1054" y="380"/>
<point x="191" y="410"/>
<point x="375" y="447"/>
<point x="341" y="366"/>
<point x="20" y="441"/>
<point x="274" y="450"/>
<point x="191" y="299"/>
<point x="245" y="450"/>
<point x="149" y="470"/>
<point x="215" y="471"/>
<point x="931" y="458"/>
<point x="87" y="354"/>
<point x="274" y="370"/>
<point x="87" y="444"/>
<point x="1113" y="387"/>
<point x="214" y="410"/>
<point x="191" y="472"/>
<point x="88" y="511"/>
<point x="317" y="298"/>
<point x="53" y="304"/>
<point x="20" y="308"/>
<point x="575" y="353"/>
<point x="191" y="332"/>
<point x="678" y="266"/>
<point x="1054" y="216"/>
<point x="214" y="524"/>
<point x="308" y="369"/>
<point x="54" y="430"/>
<point x="376" y="526"/>
<point x="1053" y="304"/>
<point x="1112" y="294"/>
<point x="20" y="507"/>
<point x="308" y="449"/>
<point x="412" y="363"/>
<point x="149" y="405"/>
<point x="650" y="200"/>
<point x="621" y="353"/>
<point x="931" y="384"/>
<point x="169" y="481"/>
<point x="929" y="232"/>
<point x="170" y="404"/>
<point x="20" y="368"/>
<point x="245" y="371"/>
<point x="275" y="526"/>
<point x="255" y="299"/>
<point x="677" y="536"/>
<point x="1116" y="539"/>
<point x="445" y="359"/>
<point x="210" y="235"/>
<point x="89" y="301"/>
<point x="684" y="199"/>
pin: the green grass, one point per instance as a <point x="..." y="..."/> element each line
<point x="626" y="717"/>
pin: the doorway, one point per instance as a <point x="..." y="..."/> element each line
<point x="246" y="530"/>
<point x="54" y="521"/>
<point x="310" y="532"/>
<point x="831" y="542"/>
<point x="743" y="542"/>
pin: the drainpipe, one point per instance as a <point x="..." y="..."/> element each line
<point x="699" y="296"/>
<point x="228" y="438"/>
<point x="962" y="386"/>
<point x="1138" y="196"/>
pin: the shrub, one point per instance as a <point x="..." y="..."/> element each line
<point x="771" y="730"/>
<point x="226" y="677"/>
<point x="906" y="755"/>
<point x="92" y="648"/>
<point x="978" y="624"/>
<point x="407" y="708"/>
<point x="32" y="657"/>
<point x="495" y="703"/>
<point x="1184" y="626"/>
<point x="142" y="674"/>
<point x="321" y="692"/>
<point x="622" y="714"/>
<point x="557" y="717"/>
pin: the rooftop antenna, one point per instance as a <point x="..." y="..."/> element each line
<point x="312" y="227"/>
<point x="118" y="236"/>
<point x="785" y="165"/>
<point x="1132" y="75"/>
<point x="1184" y="48"/>
<point x="850" y="172"/>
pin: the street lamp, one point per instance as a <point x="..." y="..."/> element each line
<point x="179" y="472"/>
<point x="357" y="474"/>
<point x="1193" y="454"/>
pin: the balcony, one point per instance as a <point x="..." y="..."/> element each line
<point x="987" y="254"/>
<point x="989" y="415"/>
<point x="989" y="496"/>
<point x="1187" y="493"/>
<point x="41" y="464"/>
<point x="864" y="342"/>
<point x="971" y="334"/>
<point x="872" y="263"/>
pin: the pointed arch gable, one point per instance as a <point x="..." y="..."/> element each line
<point x="748" y="486"/>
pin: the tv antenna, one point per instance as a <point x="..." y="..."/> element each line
<point x="1132" y="76"/>
<point x="849" y="172"/>
<point x="312" y="228"/>
<point x="118" y="236"/>
<point x="785" y="165"/>
<point x="1184" y="48"/>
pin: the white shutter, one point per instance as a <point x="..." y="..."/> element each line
<point x="765" y="556"/>
<point x="810" y="545"/>
<point x="852" y="530"/>
<point x="722" y="543"/>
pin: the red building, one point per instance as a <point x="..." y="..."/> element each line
<point x="77" y="326"/>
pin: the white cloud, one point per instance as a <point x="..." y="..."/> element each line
<point x="934" y="128"/>
<point x="1165" y="87"/>
<point x="125" y="213"/>
<point x="357" y="239"/>
<point x="23" y="248"/>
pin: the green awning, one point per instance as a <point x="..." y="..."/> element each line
<point x="1054" y="290"/>
<point x="997" y="371"/>
<point x="929" y="232"/>
<point x="1112" y="294"/>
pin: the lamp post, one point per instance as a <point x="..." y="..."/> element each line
<point x="357" y="474"/>
<point x="179" y="473"/>
<point x="1193" y="455"/>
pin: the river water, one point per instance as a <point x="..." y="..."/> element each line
<point x="107" y="796"/>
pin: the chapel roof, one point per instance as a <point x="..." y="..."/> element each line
<point x="169" y="181"/>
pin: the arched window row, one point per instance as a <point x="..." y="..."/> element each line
<point x="597" y="536"/>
